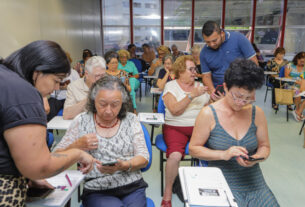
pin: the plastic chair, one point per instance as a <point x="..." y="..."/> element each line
<point x="50" y="139"/>
<point x="149" y="202"/>
<point x="161" y="145"/>
<point x="269" y="87"/>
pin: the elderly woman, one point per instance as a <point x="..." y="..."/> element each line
<point x="195" y="52"/>
<point x="110" y="134"/>
<point x="183" y="98"/>
<point x="157" y="63"/>
<point x="78" y="90"/>
<point x="296" y="69"/>
<point x="112" y="61"/>
<point x="133" y="74"/>
<point x="232" y="135"/>
<point x="167" y="73"/>
<point x="28" y="75"/>
<point x="274" y="65"/>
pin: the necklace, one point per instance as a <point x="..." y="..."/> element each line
<point x="105" y="127"/>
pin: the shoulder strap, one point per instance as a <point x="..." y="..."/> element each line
<point x="214" y="113"/>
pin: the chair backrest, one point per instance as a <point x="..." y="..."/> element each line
<point x="60" y="112"/>
<point x="161" y="105"/>
<point x="137" y="63"/>
<point x="148" y="145"/>
<point x="282" y="72"/>
<point x="50" y="139"/>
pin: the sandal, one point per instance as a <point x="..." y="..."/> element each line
<point x="296" y="116"/>
<point x="165" y="203"/>
<point x="290" y="108"/>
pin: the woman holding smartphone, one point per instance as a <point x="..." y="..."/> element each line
<point x="235" y="135"/>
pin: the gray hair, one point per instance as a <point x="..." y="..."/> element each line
<point x="109" y="82"/>
<point x="169" y="56"/>
<point x="95" y="61"/>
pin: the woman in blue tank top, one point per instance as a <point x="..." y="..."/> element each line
<point x="234" y="133"/>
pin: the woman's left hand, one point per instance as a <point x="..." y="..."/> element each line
<point x="119" y="166"/>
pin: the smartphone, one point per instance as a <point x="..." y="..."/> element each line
<point x="253" y="159"/>
<point x="109" y="163"/>
<point x="219" y="88"/>
<point x="39" y="192"/>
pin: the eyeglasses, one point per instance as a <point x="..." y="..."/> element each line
<point x="241" y="100"/>
<point x="192" y="69"/>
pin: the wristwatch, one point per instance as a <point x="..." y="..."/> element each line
<point x="189" y="96"/>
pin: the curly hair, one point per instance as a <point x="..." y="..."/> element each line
<point x="123" y="52"/>
<point x="245" y="74"/>
<point x="180" y="64"/>
<point x="109" y="82"/>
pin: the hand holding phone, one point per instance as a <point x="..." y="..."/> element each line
<point x="112" y="163"/>
<point x="220" y="89"/>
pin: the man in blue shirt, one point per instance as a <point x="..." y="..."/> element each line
<point x="221" y="49"/>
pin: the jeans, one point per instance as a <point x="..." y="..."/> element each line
<point x="134" y="199"/>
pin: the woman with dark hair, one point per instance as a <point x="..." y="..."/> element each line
<point x="274" y="65"/>
<point x="28" y="75"/>
<point x="112" y="61"/>
<point x="296" y="69"/>
<point x="232" y="134"/>
<point x="80" y="66"/>
<point x="112" y="135"/>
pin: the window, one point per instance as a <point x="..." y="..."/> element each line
<point x="238" y="16"/>
<point x="146" y="23"/>
<point x="136" y="5"/>
<point x="116" y="24"/>
<point x="268" y="25"/>
<point x="177" y="23"/>
<point x="206" y="10"/>
<point x="295" y="27"/>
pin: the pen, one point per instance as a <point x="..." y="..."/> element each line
<point x="68" y="179"/>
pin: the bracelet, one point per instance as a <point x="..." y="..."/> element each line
<point x="130" y="166"/>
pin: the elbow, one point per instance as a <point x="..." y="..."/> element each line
<point x="35" y="172"/>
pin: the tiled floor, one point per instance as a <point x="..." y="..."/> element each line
<point x="284" y="171"/>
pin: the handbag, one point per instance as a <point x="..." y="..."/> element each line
<point x="283" y="96"/>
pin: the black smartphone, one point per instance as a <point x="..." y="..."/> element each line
<point x="253" y="159"/>
<point x="219" y="88"/>
<point x="109" y="163"/>
<point x="39" y="192"/>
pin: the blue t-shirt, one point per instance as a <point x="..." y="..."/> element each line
<point x="236" y="45"/>
<point x="20" y="104"/>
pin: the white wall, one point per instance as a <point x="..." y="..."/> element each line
<point x="74" y="24"/>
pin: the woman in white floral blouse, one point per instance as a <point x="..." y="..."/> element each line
<point x="110" y="134"/>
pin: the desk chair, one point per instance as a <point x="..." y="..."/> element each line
<point x="149" y="202"/>
<point x="269" y="87"/>
<point x="161" y="145"/>
<point x="50" y="139"/>
<point x="282" y="75"/>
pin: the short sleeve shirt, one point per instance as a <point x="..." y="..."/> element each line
<point x="216" y="62"/>
<point x="162" y="74"/>
<point x="20" y="104"/>
<point x="130" y="67"/>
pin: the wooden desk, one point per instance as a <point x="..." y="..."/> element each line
<point x="59" y="198"/>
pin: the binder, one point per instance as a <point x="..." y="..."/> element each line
<point x="205" y="187"/>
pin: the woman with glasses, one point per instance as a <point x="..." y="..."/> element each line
<point x="112" y="61"/>
<point x="232" y="135"/>
<point x="133" y="74"/>
<point x="183" y="98"/>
